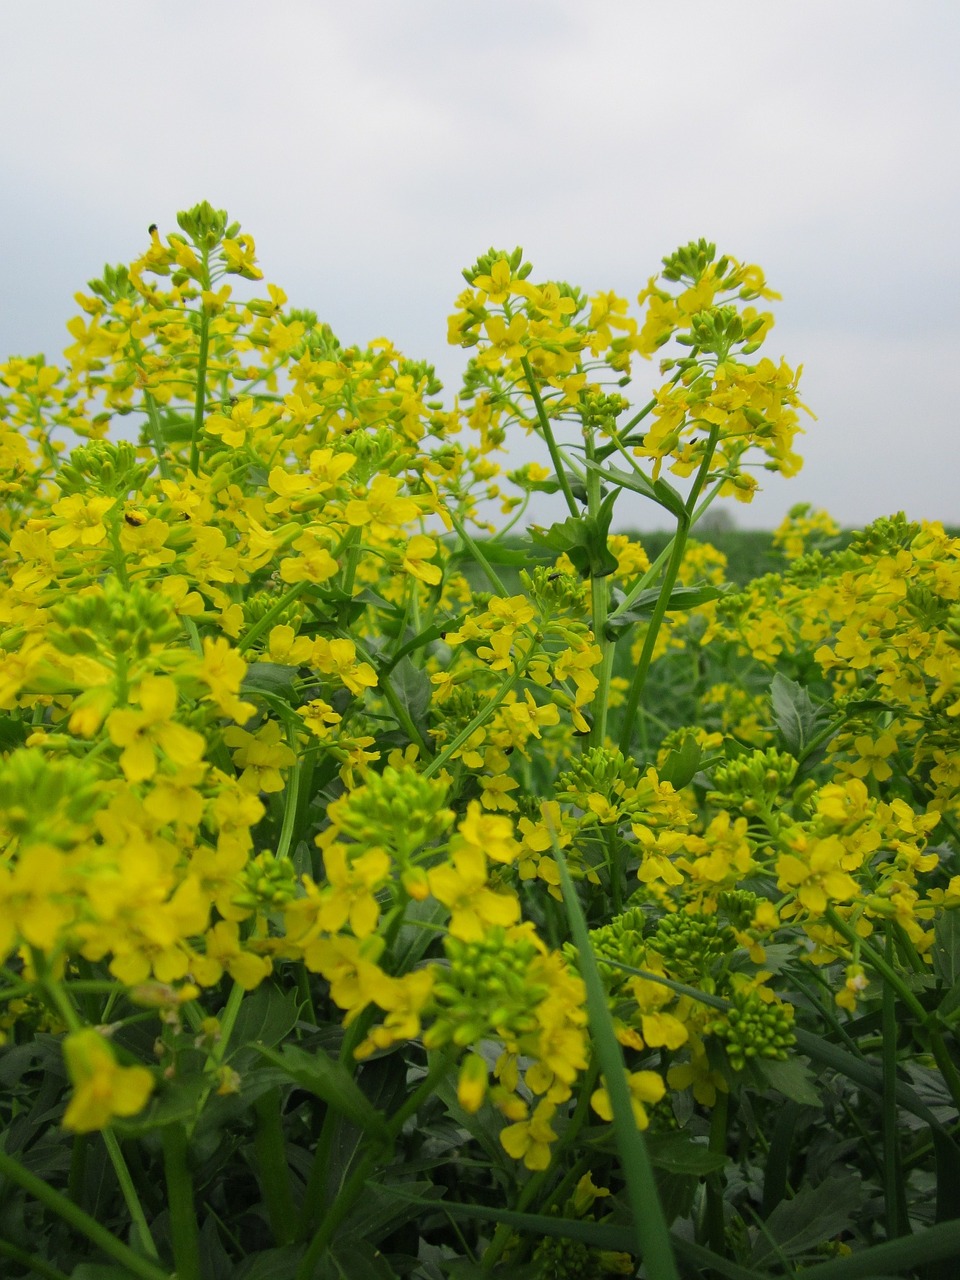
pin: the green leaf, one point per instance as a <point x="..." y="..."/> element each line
<point x="413" y="688"/>
<point x="814" y="1216"/>
<point x="272" y="1264"/>
<point x="658" y="491"/>
<point x="682" y="599"/>
<point x="266" y="1017"/>
<point x="99" y="1271"/>
<point x="329" y="1080"/>
<point x="13" y="733"/>
<point x="428" y="636"/>
<point x="946" y="946"/>
<point x="938" y="1243"/>
<point x="583" y="539"/>
<point x="682" y="763"/>
<point x="678" y="1153"/>
<point x="270" y="677"/>
<point x="795" y="715"/>
<point x="353" y="1258"/>
<point x="790" y="1078"/>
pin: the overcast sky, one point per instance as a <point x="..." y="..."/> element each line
<point x="375" y="149"/>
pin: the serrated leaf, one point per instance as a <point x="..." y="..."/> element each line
<point x="682" y="763"/>
<point x="814" y="1216"/>
<point x="13" y="733"/>
<point x="795" y="715"/>
<point x="658" y="491"/>
<point x="946" y="946"/>
<point x="790" y="1078"/>
<point x="329" y="1080"/>
<point x="583" y="539"/>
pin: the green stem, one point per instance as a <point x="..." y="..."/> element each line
<point x="482" y="716"/>
<point x="270" y="1149"/>
<point x="129" y="1192"/>
<point x="481" y="559"/>
<point x="156" y="431"/>
<point x="140" y="1267"/>
<point x="555" y="455"/>
<point x="716" y="1228"/>
<point x="599" y="605"/>
<point x="36" y="1266"/>
<point x="200" y="401"/>
<point x="274" y="612"/>
<point x="348" y="1196"/>
<point x="670" y="577"/>
<point x="892" y="1173"/>
<point x="183" y="1214"/>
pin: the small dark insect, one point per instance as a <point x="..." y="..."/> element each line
<point x="136" y="518"/>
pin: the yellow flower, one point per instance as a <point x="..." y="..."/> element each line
<point x="645" y="1087"/>
<point x="462" y="886"/>
<point x="381" y="511"/>
<point x="140" y="732"/>
<point x="529" y="1140"/>
<point x="101" y="1088"/>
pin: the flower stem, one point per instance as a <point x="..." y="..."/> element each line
<point x="183" y="1215"/>
<point x="138" y="1266"/>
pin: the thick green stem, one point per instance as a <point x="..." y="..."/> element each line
<point x="349" y="1194"/>
<point x="715" y="1225"/>
<point x="892" y="1172"/>
<point x="183" y="1214"/>
<point x="138" y="1266"/>
<point x="555" y="455"/>
<point x="270" y="1148"/>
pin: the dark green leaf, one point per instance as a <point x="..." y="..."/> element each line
<point x="814" y="1216"/>
<point x="939" y="1243"/>
<point x="332" y="1082"/>
<point x="270" y="677"/>
<point x="428" y="636"/>
<point x="790" y="1078"/>
<point x="273" y="1264"/>
<point x="13" y="733"/>
<point x="266" y="1017"/>
<point x="795" y="715"/>
<point x="352" y="1259"/>
<point x="658" y="491"/>
<point x="679" y="1153"/>
<point x="682" y="599"/>
<point x="583" y="539"/>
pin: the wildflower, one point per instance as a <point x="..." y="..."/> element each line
<point x="102" y="1088"/>
<point x="139" y="733"/>
<point x="645" y="1087"/>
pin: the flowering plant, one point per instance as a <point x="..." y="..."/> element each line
<point x="380" y="899"/>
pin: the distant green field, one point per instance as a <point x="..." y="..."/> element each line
<point x="750" y="552"/>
